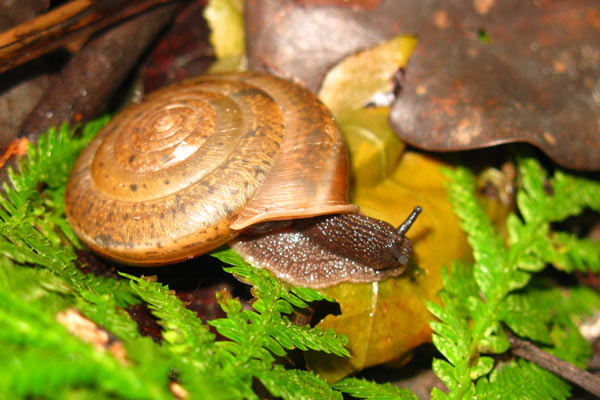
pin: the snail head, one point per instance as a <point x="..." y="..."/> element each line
<point x="401" y="249"/>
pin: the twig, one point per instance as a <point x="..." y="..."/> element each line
<point x="562" y="368"/>
<point x="82" y="88"/>
<point x="72" y="21"/>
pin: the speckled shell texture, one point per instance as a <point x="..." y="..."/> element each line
<point x="184" y="171"/>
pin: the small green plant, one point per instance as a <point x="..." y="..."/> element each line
<point x="499" y="291"/>
<point x="226" y="369"/>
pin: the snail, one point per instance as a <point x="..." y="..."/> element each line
<point x="246" y="159"/>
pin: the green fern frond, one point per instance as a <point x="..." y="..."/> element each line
<point x="30" y="335"/>
<point x="271" y="296"/>
<point x="553" y="199"/>
<point x="545" y="200"/>
<point x="570" y="253"/>
<point x="363" y="389"/>
<point x="256" y="336"/>
<point x="522" y="380"/>
<point x="31" y="221"/>
<point x="183" y="330"/>
<point x="296" y="384"/>
<point x="528" y="315"/>
<point x="499" y="290"/>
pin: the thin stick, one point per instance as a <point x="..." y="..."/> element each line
<point x="562" y="368"/>
<point x="74" y="97"/>
<point x="74" y="20"/>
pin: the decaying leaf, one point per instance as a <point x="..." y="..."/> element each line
<point x="301" y="40"/>
<point x="353" y="84"/>
<point x="520" y="71"/>
<point x="484" y="73"/>
<point x="354" y="4"/>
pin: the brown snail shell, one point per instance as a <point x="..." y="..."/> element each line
<point x="197" y="163"/>
<point x="184" y="171"/>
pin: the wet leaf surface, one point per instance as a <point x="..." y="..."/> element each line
<point x="371" y="142"/>
<point x="366" y="78"/>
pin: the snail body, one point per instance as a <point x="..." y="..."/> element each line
<point x="197" y="163"/>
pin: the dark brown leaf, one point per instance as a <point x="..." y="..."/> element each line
<point x="354" y="4"/>
<point x="13" y="13"/>
<point x="63" y="26"/>
<point x="21" y="88"/>
<point x="521" y="71"/>
<point x="182" y="52"/>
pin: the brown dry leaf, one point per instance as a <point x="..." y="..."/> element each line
<point x="303" y="39"/>
<point x="483" y="73"/>
<point x="351" y="4"/>
<point x="509" y="71"/>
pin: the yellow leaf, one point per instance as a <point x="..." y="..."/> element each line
<point x="385" y="321"/>
<point x="358" y="78"/>
<point x="374" y="148"/>
<point x="226" y="21"/>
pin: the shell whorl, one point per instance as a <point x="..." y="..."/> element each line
<point x="166" y="179"/>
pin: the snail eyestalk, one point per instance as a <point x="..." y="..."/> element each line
<point x="410" y="220"/>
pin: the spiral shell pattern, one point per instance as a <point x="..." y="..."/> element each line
<point x="193" y="164"/>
